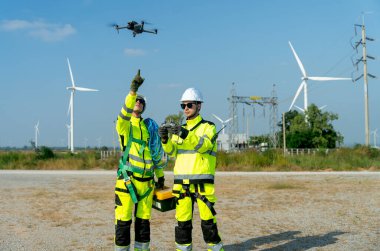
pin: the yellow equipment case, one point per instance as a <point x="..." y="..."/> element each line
<point x="163" y="199"/>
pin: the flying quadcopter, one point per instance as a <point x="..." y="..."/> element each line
<point x="135" y="27"/>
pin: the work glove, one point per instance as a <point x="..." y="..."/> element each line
<point x="136" y="82"/>
<point x="160" y="182"/>
<point x="164" y="134"/>
<point x="179" y="130"/>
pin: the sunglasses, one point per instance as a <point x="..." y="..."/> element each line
<point x="141" y="101"/>
<point x="188" y="105"/>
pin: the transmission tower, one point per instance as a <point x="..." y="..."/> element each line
<point x="273" y="120"/>
<point x="365" y="74"/>
<point x="252" y="100"/>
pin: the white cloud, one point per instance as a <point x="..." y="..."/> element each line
<point x="42" y="30"/>
<point x="134" y="52"/>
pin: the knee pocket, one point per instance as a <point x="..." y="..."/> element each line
<point x="142" y="230"/>
<point x="183" y="232"/>
<point x="210" y="231"/>
<point x="122" y="233"/>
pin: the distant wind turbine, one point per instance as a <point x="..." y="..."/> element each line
<point x="374" y="132"/>
<point x="304" y="78"/>
<point x="36" y="133"/>
<point x="68" y="136"/>
<point x="74" y="88"/>
<point x="85" y="143"/>
<point x="224" y="123"/>
<point x="99" y="141"/>
<point x="303" y="111"/>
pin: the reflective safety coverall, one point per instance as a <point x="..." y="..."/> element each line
<point x="135" y="182"/>
<point x="194" y="172"/>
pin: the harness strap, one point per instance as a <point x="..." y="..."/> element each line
<point x="195" y="195"/>
<point x="203" y="198"/>
<point x="146" y="193"/>
<point x="141" y="142"/>
<point x="129" y="168"/>
<point x="130" y="187"/>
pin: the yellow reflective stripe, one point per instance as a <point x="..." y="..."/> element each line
<point x="194" y="177"/>
<point x="128" y="110"/>
<point x="215" y="247"/>
<point x="182" y="151"/>
<point x="125" y="117"/>
<point x="200" y="143"/>
<point x="138" y="159"/>
<point x="142" y="245"/>
<point x="184" y="247"/>
<point x="122" y="248"/>
<point x="136" y="169"/>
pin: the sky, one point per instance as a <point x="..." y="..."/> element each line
<point x="204" y="44"/>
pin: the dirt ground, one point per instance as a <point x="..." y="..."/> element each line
<point x="73" y="210"/>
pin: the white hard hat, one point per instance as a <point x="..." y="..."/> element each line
<point x="192" y="94"/>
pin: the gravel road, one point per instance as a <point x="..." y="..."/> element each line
<point x="73" y="210"/>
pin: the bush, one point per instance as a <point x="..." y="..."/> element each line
<point x="44" y="153"/>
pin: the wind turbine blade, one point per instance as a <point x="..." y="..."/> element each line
<point x="85" y="89"/>
<point x="298" y="60"/>
<point x="71" y="73"/>
<point x="299" y="108"/>
<point x="297" y="93"/>
<point x="327" y="78"/>
<point x="228" y="120"/>
<point x="221" y="121"/>
<point x="322" y="107"/>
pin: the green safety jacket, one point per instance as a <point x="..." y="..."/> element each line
<point x="196" y="154"/>
<point x="134" y="135"/>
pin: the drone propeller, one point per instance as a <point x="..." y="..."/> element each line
<point x="145" y="22"/>
<point x="114" y="25"/>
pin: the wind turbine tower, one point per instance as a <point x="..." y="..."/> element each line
<point x="68" y="136"/>
<point x="305" y="78"/>
<point x="36" y="133"/>
<point x="74" y="88"/>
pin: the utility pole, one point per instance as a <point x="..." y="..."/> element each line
<point x="364" y="75"/>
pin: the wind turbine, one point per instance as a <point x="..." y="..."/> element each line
<point x="223" y="122"/>
<point x="374" y="132"/>
<point x="36" y="133"/>
<point x="68" y="136"/>
<point x="74" y="88"/>
<point x="305" y="78"/>
<point x="303" y="111"/>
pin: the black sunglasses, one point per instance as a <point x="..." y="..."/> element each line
<point x="189" y="105"/>
<point x="141" y="101"/>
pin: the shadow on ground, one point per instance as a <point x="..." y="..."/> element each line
<point x="294" y="242"/>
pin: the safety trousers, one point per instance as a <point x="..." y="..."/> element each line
<point x="123" y="216"/>
<point x="183" y="231"/>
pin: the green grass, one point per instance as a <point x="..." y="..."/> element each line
<point x="342" y="159"/>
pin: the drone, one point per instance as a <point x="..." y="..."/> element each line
<point x="135" y="27"/>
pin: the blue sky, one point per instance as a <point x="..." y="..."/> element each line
<point x="203" y="44"/>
